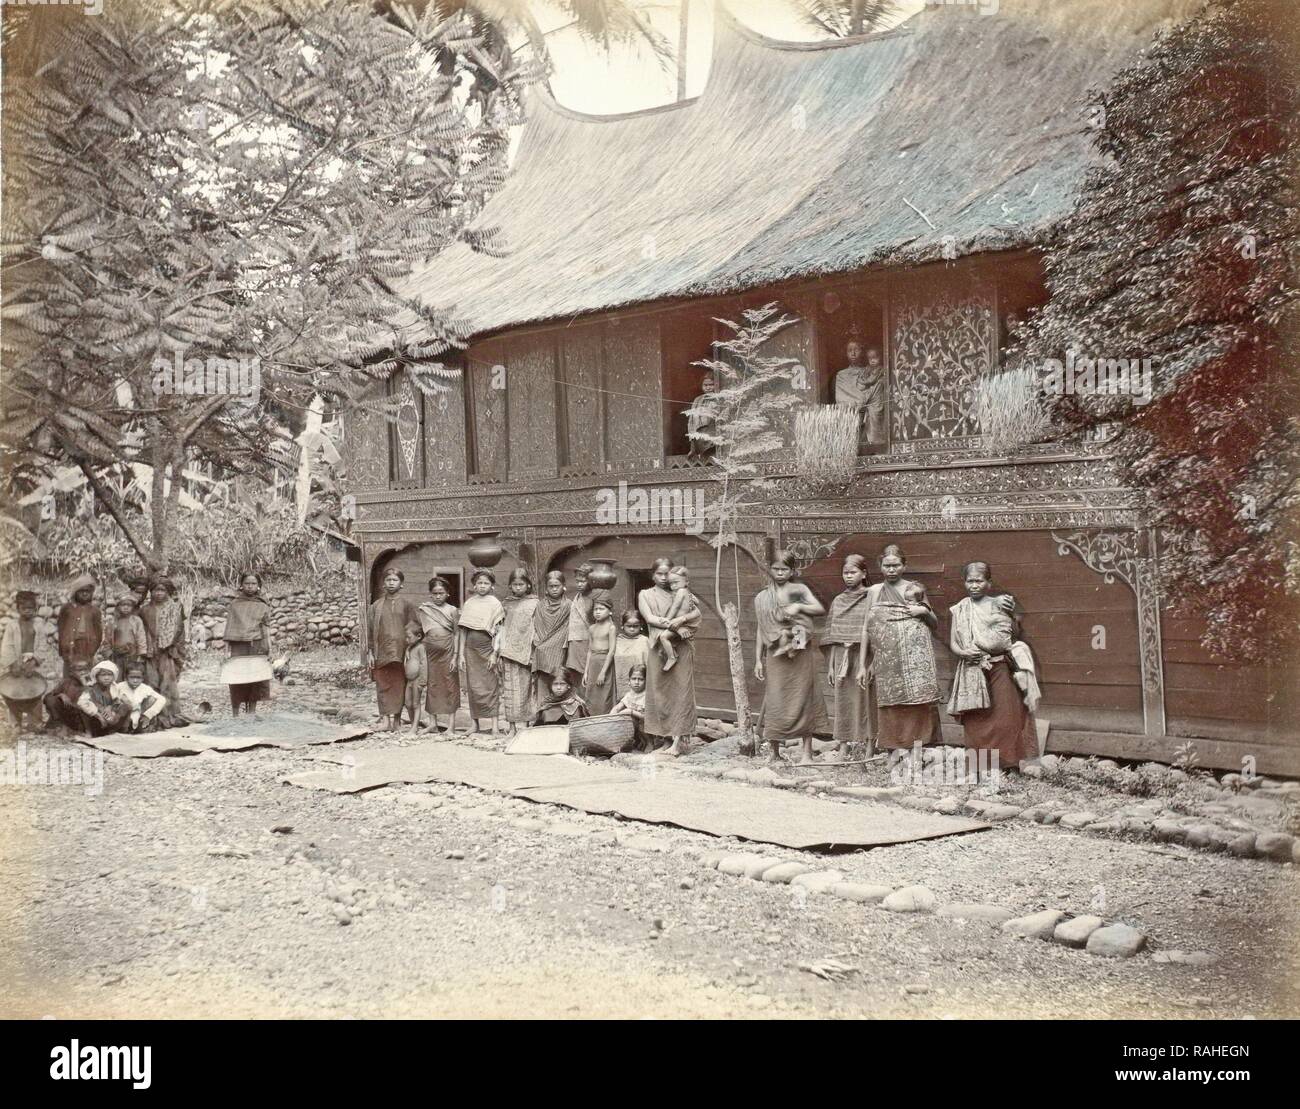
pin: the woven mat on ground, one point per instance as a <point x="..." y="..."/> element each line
<point x="664" y="797"/>
<point x="278" y="730"/>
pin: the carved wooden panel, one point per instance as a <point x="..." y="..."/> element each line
<point x="530" y="391"/>
<point x="487" y="383"/>
<point x="943" y="338"/>
<point x="633" y="408"/>
<point x="406" y="435"/>
<point x="582" y="353"/>
<point x="365" y="444"/>
<point x="444" y="434"/>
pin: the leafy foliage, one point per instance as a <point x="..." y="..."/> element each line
<point x="751" y="389"/>
<point x="843" y="18"/>
<point x="239" y="180"/>
<point x="1182" y="249"/>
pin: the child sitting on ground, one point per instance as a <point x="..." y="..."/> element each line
<point x="144" y="701"/>
<point x="416" y="663"/>
<point x="563" y="705"/>
<point x="683" y="616"/>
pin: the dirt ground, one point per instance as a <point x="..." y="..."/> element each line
<point x="201" y="886"/>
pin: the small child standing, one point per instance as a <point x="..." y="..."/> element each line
<point x="126" y="639"/>
<point x="416" y="662"/>
<point x="683" y="616"/>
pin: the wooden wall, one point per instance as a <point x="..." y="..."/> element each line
<point x="1067" y="609"/>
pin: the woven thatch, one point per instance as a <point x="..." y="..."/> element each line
<point x="799" y="160"/>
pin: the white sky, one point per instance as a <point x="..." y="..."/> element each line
<point x="587" y="80"/>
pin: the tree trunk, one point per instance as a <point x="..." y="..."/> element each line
<point x="739" y="687"/>
<point x="735" y="652"/>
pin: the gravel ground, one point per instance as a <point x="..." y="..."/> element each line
<point x="200" y="886"/>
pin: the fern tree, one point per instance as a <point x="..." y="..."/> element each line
<point x="1182" y="250"/>
<point x="753" y="388"/>
<point x="243" y="180"/>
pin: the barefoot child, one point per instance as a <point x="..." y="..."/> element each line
<point x="683" y="617"/>
<point x="598" y="682"/>
<point x="144" y="701"/>
<point x="417" y="675"/>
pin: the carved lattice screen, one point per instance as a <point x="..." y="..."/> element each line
<point x="943" y="339"/>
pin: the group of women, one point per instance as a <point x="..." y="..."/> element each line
<point x="880" y="663"/>
<point x="518" y="655"/>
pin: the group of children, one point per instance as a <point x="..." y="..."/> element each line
<point x="116" y="678"/>
<point x="530" y="660"/>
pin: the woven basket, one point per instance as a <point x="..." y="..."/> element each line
<point x="601" y="735"/>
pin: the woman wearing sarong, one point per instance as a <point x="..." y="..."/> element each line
<point x="842" y="642"/>
<point x="550" y="635"/>
<point x="164" y="626"/>
<point x="390" y="616"/>
<point x="438" y="618"/>
<point x="793" y="706"/>
<point x="248" y="632"/>
<point x="575" y="651"/>
<point x="902" y="673"/>
<point x="477" y="647"/>
<point x="995" y="688"/>
<point x="518" y="705"/>
<point x="670" y="710"/>
<point x="631" y="648"/>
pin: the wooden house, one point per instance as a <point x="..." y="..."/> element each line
<point x="894" y="188"/>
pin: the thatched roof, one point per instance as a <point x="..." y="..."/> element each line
<point x="802" y="159"/>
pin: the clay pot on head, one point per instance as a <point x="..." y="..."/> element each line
<point x="485" y="552"/>
<point x="603" y="575"/>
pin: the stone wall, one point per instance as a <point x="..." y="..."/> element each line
<point x="323" y="612"/>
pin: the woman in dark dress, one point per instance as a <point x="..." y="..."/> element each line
<point x="389" y="618"/>
<point x="438" y="618"/>
<point x="793" y="706"/>
<point x="670" y="709"/>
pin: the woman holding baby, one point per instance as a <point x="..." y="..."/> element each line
<point x="902" y="674"/>
<point x="995" y="688"/>
<point x="670" y="674"/>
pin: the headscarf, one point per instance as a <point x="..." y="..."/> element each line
<point x="105" y="665"/>
<point x="85" y="581"/>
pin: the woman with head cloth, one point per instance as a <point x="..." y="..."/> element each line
<point x="842" y="642"/>
<point x="793" y="706"/>
<point x="670" y="710"/>
<point x="995" y="688"/>
<point x="897" y="643"/>
<point x="550" y="635"/>
<point x="80" y="627"/>
<point x="164" y="625"/>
